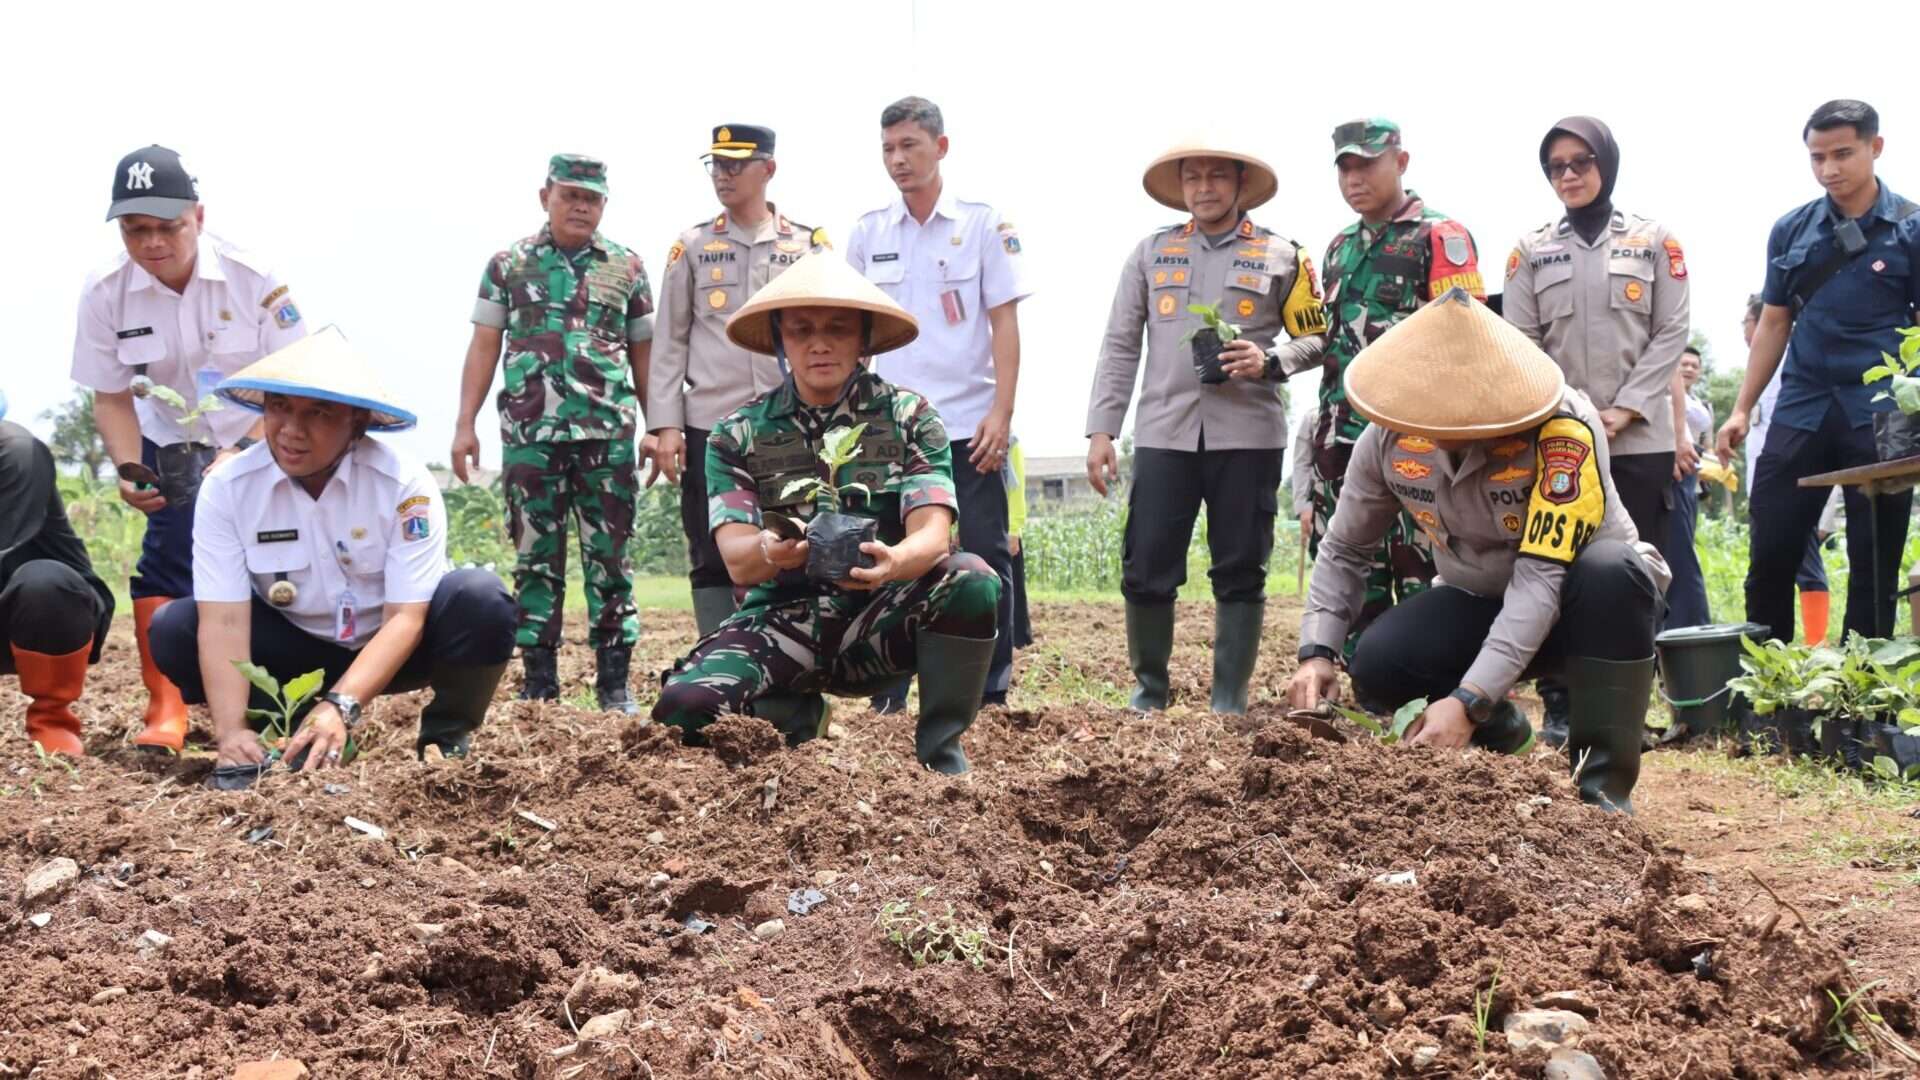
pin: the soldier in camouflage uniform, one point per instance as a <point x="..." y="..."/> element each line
<point x="576" y="313"/>
<point x="920" y="607"/>
<point x="1379" y="270"/>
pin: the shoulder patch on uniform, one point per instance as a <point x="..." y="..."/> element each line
<point x="267" y="301"/>
<point x="1513" y="263"/>
<point x="673" y="253"/>
<point x="1569" y="501"/>
<point x="1676" y="259"/>
<point x="1304" y="311"/>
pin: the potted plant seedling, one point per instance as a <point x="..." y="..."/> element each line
<point x="834" y="537"/>
<point x="1896" y="735"/>
<point x="181" y="465"/>
<point x="1767" y="688"/>
<point x="279" y="722"/>
<point x="1207" y="340"/>
<point x="1896" y="434"/>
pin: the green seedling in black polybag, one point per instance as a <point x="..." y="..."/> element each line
<point x="1208" y="339"/>
<point x="834" y="537"/>
<point x="283" y="718"/>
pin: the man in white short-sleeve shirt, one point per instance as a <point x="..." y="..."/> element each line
<point x="957" y="266"/>
<point x="323" y="548"/>
<point x="176" y="312"/>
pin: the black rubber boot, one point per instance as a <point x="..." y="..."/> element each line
<point x="1149" y="647"/>
<point x="711" y="606"/>
<point x="460" y="699"/>
<point x="1553" y="722"/>
<point x="1607" y="708"/>
<point x="610" y="679"/>
<point x="953" y="676"/>
<point x="1236" y="648"/>
<point x="543" y="675"/>
<point x="800" y="717"/>
<point x="1505" y="732"/>
<point x="893" y="699"/>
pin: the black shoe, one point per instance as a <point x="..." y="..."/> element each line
<point x="893" y="699"/>
<point x="543" y="675"/>
<point x="1553" y="724"/>
<point x="610" y="679"/>
<point x="1505" y="732"/>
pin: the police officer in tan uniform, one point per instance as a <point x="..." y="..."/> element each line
<point x="1540" y="567"/>
<point x="698" y="376"/>
<point x="1202" y="436"/>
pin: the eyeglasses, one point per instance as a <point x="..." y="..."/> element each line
<point x="728" y="166"/>
<point x="1579" y="165"/>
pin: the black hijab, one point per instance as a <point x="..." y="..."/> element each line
<point x="1589" y="220"/>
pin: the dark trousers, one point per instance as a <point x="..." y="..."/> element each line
<point x="1784" y="514"/>
<point x="705" y="568"/>
<point x="1644" y="483"/>
<point x="1687" y="596"/>
<point x="1423" y="646"/>
<point x="983" y="532"/>
<point x="1241" y="489"/>
<point x="46" y="607"/>
<point x="470" y="623"/>
<point x="1812" y="574"/>
<point x="166" y="551"/>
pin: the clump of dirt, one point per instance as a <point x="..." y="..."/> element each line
<point x="588" y="897"/>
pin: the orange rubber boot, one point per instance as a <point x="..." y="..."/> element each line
<point x="1814" y="608"/>
<point x="165" y="723"/>
<point x="53" y="683"/>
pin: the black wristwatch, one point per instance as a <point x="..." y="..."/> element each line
<point x="348" y="705"/>
<point x="1479" y="707"/>
<point x="244" y="441"/>
<point x="1319" y="652"/>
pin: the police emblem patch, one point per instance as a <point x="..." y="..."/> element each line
<point x="1634" y="291"/>
<point x="717" y="299"/>
<point x="1562" y="456"/>
<point x="1412" y="470"/>
<point x="1245" y="309"/>
<point x="1414" y="444"/>
<point x="1511" y="523"/>
<point x="1511" y="473"/>
<point x="1166" y="304"/>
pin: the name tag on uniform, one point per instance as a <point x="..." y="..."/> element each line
<point x="886" y="256"/>
<point x="276" y="536"/>
<point x="138" y="331"/>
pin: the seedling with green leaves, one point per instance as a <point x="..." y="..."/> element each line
<point x="191" y="417"/>
<point x="284" y="716"/>
<point x="1210" y="319"/>
<point x="927" y="938"/>
<point x="1389" y="733"/>
<point x="1903" y="370"/>
<point x="1483" y="1011"/>
<point x="837" y="450"/>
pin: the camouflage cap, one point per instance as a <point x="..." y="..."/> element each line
<point x="1368" y="138"/>
<point x="578" y="170"/>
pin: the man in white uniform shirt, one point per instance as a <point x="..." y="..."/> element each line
<point x="323" y="548"/>
<point x="956" y="266"/>
<point x="178" y="311"/>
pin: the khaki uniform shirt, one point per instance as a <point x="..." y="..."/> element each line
<point x="1506" y="517"/>
<point x="697" y="375"/>
<point x="1613" y="314"/>
<point x="1263" y="282"/>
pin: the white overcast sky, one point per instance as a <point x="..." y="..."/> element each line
<point x="378" y="154"/>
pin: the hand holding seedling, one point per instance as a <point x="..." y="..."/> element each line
<point x="886" y="567"/>
<point x="1242" y="359"/>
<point x="782" y="554"/>
<point x="1444" y="724"/>
<point x="323" y="737"/>
<point x="1315" y="681"/>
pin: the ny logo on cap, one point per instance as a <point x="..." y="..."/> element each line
<point x="139" y="175"/>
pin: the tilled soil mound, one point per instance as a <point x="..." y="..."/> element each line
<point x="1173" y="897"/>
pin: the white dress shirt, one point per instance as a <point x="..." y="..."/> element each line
<point x="376" y="535"/>
<point x="949" y="272"/>
<point x="233" y="311"/>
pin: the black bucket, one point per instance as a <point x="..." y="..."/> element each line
<point x="1696" y="663"/>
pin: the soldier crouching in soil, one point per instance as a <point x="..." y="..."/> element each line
<point x="908" y="603"/>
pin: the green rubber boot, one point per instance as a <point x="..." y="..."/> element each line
<point x="800" y="717"/>
<point x="711" y="606"/>
<point x="953" y="679"/>
<point x="460" y="699"/>
<point x="1236" y="648"/>
<point x="1505" y="732"/>
<point x="1607" y="706"/>
<point x="1149" y="647"/>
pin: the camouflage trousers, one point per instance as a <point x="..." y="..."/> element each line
<point x="846" y="642"/>
<point x="1403" y="564"/>
<point x="593" y="482"/>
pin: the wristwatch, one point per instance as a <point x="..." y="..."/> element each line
<point x="1319" y="652"/>
<point x="1479" y="707"/>
<point x="348" y="705"/>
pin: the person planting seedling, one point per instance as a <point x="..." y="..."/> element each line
<point x="823" y="623"/>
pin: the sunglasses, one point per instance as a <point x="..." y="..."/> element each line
<point x="1579" y="165"/>
<point x="728" y="166"/>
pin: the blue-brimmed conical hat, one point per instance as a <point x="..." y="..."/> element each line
<point x="323" y="366"/>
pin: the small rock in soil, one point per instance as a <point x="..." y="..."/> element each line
<point x="1692" y="904"/>
<point x="107" y="995"/>
<point x="1308" y="982"/>
<point x="1425" y="1056"/>
<point x="1545" y="1028"/>
<point x="770" y="929"/>
<point x="1403" y="877"/>
<point x="335" y="789"/>
<point x="835" y="731"/>
<point x="606" y="1025"/>
<point x="532" y="818"/>
<point x="366" y="828"/>
<point x="824" y="878"/>
<point x="153" y="941"/>
<point x="457" y="866"/>
<point x="656" y="837"/>
<point x="659" y="881"/>
<point x="863" y="807"/>
<point x="1565" y="1064"/>
<point x="260" y="835"/>
<point x="288" y="1069"/>
<point x="427" y="932"/>
<point x="1570" y="1000"/>
<point x="696" y="924"/>
<point x="1387" y="1009"/>
<point x="598" y="985"/>
<point x="801" y="901"/>
<point x="41" y="920"/>
<point x="49" y="880"/>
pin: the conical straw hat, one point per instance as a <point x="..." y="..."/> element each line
<point x="1454" y="370"/>
<point x="322" y="365"/>
<point x="1162" y="179"/>
<point x="823" y="280"/>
